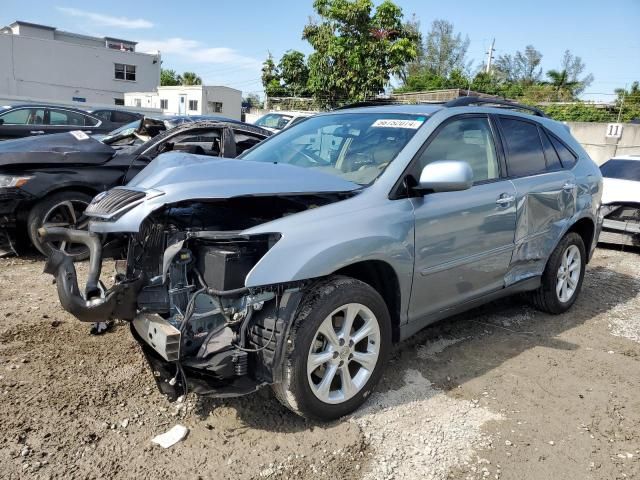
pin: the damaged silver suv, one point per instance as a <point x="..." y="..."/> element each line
<point x="299" y="264"/>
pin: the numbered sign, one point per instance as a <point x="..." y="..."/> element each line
<point x="614" y="130"/>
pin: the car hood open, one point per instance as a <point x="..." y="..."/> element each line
<point x="56" y="149"/>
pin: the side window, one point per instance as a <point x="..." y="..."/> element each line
<point x="66" y="117"/>
<point x="24" y="116"/>
<point x="553" y="161"/>
<point x="244" y="141"/>
<point x="567" y="157"/>
<point x="468" y="140"/>
<point x="524" y="149"/>
<point x="104" y="115"/>
<point x="123" y="117"/>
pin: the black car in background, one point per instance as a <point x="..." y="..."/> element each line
<point x="49" y="180"/>
<point x="32" y="120"/>
<point x="113" y="118"/>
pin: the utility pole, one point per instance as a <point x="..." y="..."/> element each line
<point x="490" y="56"/>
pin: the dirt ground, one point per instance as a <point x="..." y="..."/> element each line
<point x="502" y="392"/>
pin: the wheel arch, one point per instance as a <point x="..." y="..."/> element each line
<point x="586" y="228"/>
<point x="382" y="277"/>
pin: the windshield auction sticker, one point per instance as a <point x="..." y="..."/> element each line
<point x="79" y="135"/>
<point x="396" y="123"/>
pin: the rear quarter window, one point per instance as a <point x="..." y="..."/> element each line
<point x="524" y="149"/>
<point x="567" y="157"/>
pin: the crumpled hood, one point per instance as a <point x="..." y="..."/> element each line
<point x="175" y="177"/>
<point x="197" y="176"/>
<point x="54" y="149"/>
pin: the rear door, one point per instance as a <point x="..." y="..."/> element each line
<point x="59" y="120"/>
<point x="545" y="192"/>
<point x="463" y="240"/>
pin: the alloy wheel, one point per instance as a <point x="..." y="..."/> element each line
<point x="67" y="214"/>
<point x="569" y="273"/>
<point x="343" y="353"/>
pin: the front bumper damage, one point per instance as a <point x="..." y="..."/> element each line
<point x="621" y="224"/>
<point x="10" y="201"/>
<point x="230" y="343"/>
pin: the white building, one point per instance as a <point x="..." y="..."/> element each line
<point x="190" y="100"/>
<point x="45" y="64"/>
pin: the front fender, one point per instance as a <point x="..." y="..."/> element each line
<point x="316" y="244"/>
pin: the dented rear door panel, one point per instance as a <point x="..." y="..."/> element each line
<point x="546" y="203"/>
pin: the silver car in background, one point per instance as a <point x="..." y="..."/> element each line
<point x="300" y="263"/>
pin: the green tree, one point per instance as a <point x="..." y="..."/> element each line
<point x="190" y="78"/>
<point x="444" y="50"/>
<point x="412" y="26"/>
<point x="294" y="73"/>
<point x="357" y="48"/>
<point x="521" y="67"/>
<point x="631" y="96"/>
<point x="252" y="100"/>
<point x="169" y="78"/>
<point x="271" y="77"/>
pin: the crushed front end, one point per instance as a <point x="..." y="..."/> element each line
<point x="182" y="290"/>
<point x="621" y="224"/>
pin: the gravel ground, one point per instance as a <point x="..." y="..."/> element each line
<point x="500" y="392"/>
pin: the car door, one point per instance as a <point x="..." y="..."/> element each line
<point x="545" y="193"/>
<point x="22" y="122"/>
<point x="463" y="240"/>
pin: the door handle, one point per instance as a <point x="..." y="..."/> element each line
<point x="568" y="187"/>
<point x="505" y="199"/>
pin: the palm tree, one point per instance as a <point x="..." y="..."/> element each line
<point x="563" y="87"/>
<point x="190" y="78"/>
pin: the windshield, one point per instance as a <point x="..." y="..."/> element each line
<point x="621" y="169"/>
<point x="354" y="146"/>
<point x="274" y="120"/>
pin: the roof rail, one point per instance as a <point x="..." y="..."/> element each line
<point x="466" y="101"/>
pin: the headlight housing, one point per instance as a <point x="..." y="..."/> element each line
<point x="16" y="181"/>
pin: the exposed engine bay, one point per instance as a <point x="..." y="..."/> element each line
<point x="182" y="287"/>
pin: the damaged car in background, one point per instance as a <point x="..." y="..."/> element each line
<point x="49" y="180"/>
<point x="298" y="264"/>
<point x="621" y="201"/>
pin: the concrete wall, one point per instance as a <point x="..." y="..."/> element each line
<point x="58" y="71"/>
<point x="592" y="137"/>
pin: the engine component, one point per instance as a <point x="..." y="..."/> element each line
<point x="225" y="267"/>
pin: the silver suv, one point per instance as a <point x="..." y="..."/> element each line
<point x="300" y="263"/>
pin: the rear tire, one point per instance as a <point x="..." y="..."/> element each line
<point x="330" y="369"/>
<point x="562" y="277"/>
<point x="63" y="209"/>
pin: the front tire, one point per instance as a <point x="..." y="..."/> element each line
<point x="339" y="343"/>
<point x="62" y="209"/>
<point x="562" y="277"/>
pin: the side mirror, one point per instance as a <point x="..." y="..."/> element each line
<point x="446" y="176"/>
<point x="1" y="121"/>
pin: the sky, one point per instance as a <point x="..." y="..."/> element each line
<point x="225" y="42"/>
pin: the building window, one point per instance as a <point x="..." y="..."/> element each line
<point x="138" y="102"/>
<point x="118" y="101"/>
<point x="193" y="105"/>
<point x="215" y="107"/>
<point x="125" y="72"/>
<point x="164" y="103"/>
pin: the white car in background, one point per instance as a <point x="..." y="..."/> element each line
<point x="621" y="200"/>
<point x="276" y="121"/>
